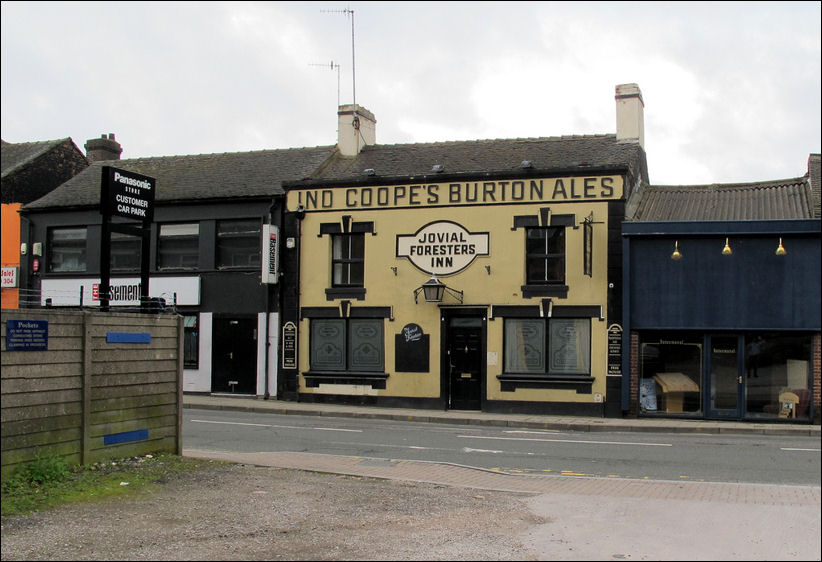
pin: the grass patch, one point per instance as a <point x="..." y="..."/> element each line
<point x="49" y="482"/>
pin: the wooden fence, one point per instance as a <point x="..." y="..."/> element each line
<point x="89" y="386"/>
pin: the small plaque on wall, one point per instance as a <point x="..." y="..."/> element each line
<point x="411" y="350"/>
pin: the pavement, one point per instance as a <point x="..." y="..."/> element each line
<point x="529" y="421"/>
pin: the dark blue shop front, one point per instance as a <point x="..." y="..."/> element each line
<point x="722" y="319"/>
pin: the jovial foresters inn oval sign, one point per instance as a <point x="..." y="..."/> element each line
<point x="442" y="248"/>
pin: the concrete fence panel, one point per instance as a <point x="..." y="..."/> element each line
<point x="89" y="386"/>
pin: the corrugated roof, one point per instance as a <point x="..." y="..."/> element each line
<point x="481" y="156"/>
<point x="15" y="155"/>
<point x="771" y="200"/>
<point x="815" y="179"/>
<point x="197" y="177"/>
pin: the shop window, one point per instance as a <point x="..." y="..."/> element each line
<point x="178" y="246"/>
<point x="777" y="373"/>
<point x="238" y="243"/>
<point x="191" y="341"/>
<point x="548" y="347"/>
<point x="545" y="255"/>
<point x="671" y="374"/>
<point x="348" y="260"/>
<point x="347" y="345"/>
<point x="67" y="249"/>
<point x="125" y="252"/>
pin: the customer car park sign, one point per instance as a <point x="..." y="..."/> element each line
<point x="128" y="195"/>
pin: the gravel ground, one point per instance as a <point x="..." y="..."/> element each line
<point x="242" y="512"/>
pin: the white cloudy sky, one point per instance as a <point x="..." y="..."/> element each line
<point x="731" y="90"/>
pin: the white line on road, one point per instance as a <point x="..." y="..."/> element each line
<point x="568" y="441"/>
<point x="800" y="449"/>
<point x="548" y="432"/>
<point x="469" y="450"/>
<point x="278" y="426"/>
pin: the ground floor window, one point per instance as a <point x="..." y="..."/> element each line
<point x="670" y="377"/>
<point x="777" y="374"/>
<point x="751" y="375"/>
<point x="555" y="346"/>
<point x="347" y="344"/>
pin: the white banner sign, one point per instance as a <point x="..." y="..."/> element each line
<point x="124" y="291"/>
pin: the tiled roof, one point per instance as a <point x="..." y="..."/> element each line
<point x="15" y="155"/>
<point x="771" y="200"/>
<point x="198" y="177"/>
<point x="261" y="173"/>
<point x="486" y="156"/>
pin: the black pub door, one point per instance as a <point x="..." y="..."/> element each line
<point x="234" y="355"/>
<point x="463" y="363"/>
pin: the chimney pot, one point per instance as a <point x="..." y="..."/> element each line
<point x="104" y="148"/>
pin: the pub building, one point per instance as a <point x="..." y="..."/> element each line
<point x="468" y="275"/>
<point x="722" y="300"/>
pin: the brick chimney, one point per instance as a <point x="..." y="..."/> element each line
<point x="104" y="148"/>
<point x="630" y="114"/>
<point x="356" y="128"/>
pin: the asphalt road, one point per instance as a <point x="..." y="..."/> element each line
<point x="759" y="459"/>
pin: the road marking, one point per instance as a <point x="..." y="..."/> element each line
<point x="548" y="432"/>
<point x="800" y="449"/>
<point x="336" y="429"/>
<point x="469" y="450"/>
<point x="239" y="423"/>
<point x="278" y="426"/>
<point x="568" y="441"/>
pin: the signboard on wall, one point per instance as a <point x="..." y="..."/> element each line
<point x="442" y="247"/>
<point x="122" y="291"/>
<point x="9" y="277"/>
<point x="290" y="345"/>
<point x="27" y="335"/>
<point x="614" y="349"/>
<point x="271" y="253"/>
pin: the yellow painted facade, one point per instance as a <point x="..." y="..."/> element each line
<point x="495" y="279"/>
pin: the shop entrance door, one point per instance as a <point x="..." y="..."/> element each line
<point x="725" y="384"/>
<point x="234" y="355"/>
<point x="463" y="362"/>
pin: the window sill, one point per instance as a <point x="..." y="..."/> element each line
<point x="376" y="380"/>
<point x="509" y="382"/>
<point x="560" y="291"/>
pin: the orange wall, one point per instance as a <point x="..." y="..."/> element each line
<point x="10" y="248"/>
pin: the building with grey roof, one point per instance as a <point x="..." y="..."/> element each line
<point x="722" y="300"/>
<point x="217" y="215"/>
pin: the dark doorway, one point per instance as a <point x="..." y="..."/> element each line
<point x="463" y="362"/>
<point x="234" y="355"/>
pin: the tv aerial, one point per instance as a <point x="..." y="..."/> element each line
<point x="349" y="12"/>
<point x="332" y="66"/>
